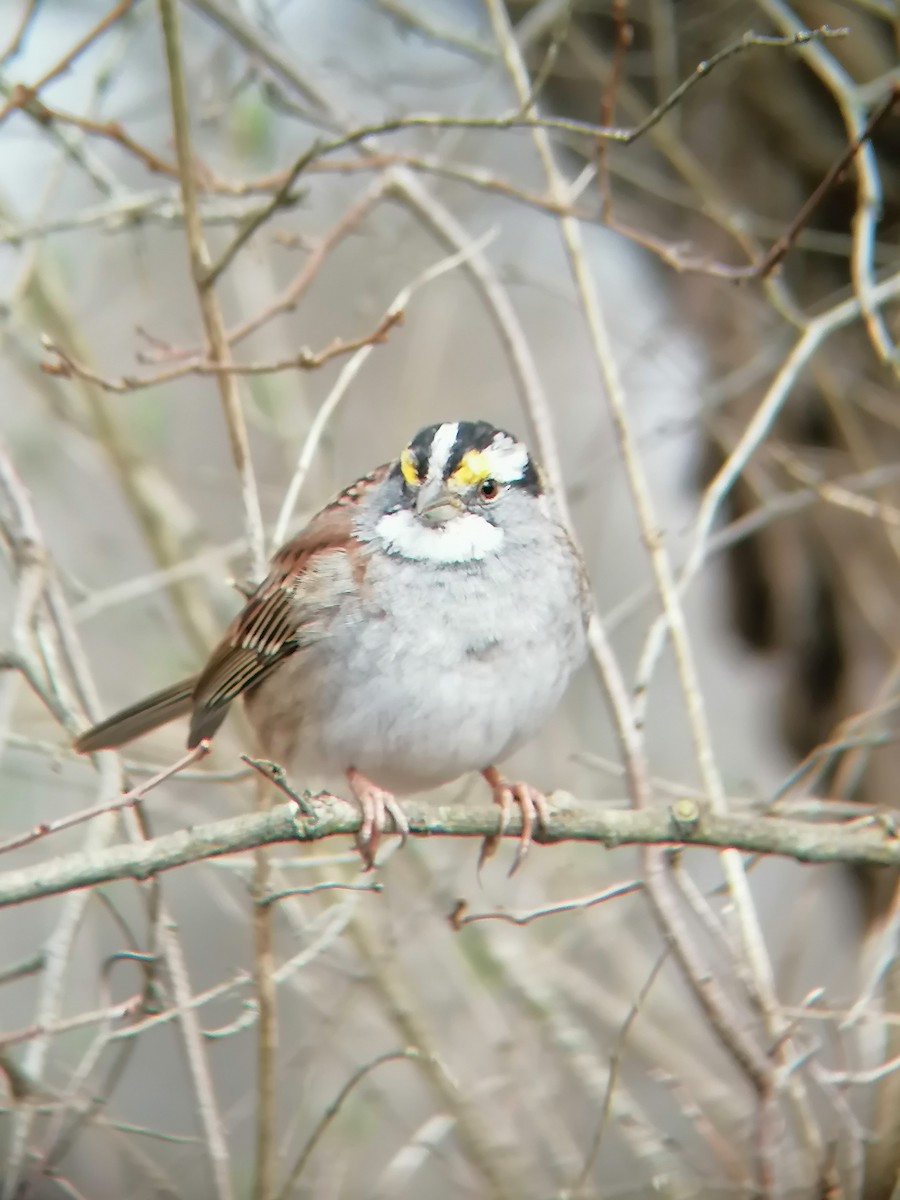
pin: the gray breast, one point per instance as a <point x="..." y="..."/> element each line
<point x="427" y="673"/>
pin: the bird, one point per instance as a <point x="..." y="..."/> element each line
<point x="423" y="625"/>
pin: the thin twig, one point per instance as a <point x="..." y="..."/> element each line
<point x="869" y="197"/>
<point x="64" y="63"/>
<point x="64" y="366"/>
<point x="326" y="886"/>
<point x="209" y="306"/>
<point x="608" y="105"/>
<point x="349" y="372"/>
<point x="460" y="915"/>
<point x="774" y="256"/>
<point x="23" y="539"/>
<point x="29" y="9"/>
<point x="133" y="796"/>
<point x="615" y="1062"/>
<point x="288" y="299"/>
<point x="442" y="36"/>
<point x="267" y="1017"/>
<point x="219" y="351"/>
<point x="20" y="970"/>
<point x="26" y="99"/>
<point x="502" y="1177"/>
<point x="410" y="1054"/>
<point x="209" y="1115"/>
<point x="711" y="997"/>
<point x="817" y="331"/>
<point x="515" y="120"/>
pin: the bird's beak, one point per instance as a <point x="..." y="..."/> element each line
<point x="436" y="504"/>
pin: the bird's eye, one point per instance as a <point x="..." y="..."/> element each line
<point x="489" y="489"/>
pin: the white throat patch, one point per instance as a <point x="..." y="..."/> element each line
<point x="466" y="538"/>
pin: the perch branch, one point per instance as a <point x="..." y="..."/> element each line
<point x="684" y="823"/>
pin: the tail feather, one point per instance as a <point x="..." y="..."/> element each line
<point x="139" y="718"/>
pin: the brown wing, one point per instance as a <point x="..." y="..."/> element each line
<point x="138" y="719"/>
<point x="276" y="620"/>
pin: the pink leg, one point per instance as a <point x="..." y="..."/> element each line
<point x="374" y="803"/>
<point x="534" y="809"/>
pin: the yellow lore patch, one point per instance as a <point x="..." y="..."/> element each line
<point x="474" y="467"/>
<point x="408" y="468"/>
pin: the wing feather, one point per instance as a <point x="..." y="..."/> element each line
<point x="279" y="617"/>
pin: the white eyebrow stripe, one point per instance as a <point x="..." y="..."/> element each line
<point x="508" y="459"/>
<point x="441" y="445"/>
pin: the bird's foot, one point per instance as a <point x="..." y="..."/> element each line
<point x="375" y="804"/>
<point x="534" y="809"/>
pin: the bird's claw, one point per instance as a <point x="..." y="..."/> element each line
<point x="531" y="803"/>
<point x="375" y="805"/>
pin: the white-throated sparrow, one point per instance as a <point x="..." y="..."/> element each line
<point x="424" y="624"/>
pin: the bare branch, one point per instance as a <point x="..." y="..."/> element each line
<point x="18" y="35"/>
<point x="64" y="366"/>
<point x="132" y="796"/>
<point x="210" y="310"/>
<point x="686" y="823"/>
<point x="707" y="990"/>
<point x="409" y="1054"/>
<point x="461" y="916"/>
<point x="24" y="94"/>
<point x="518" y="119"/>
